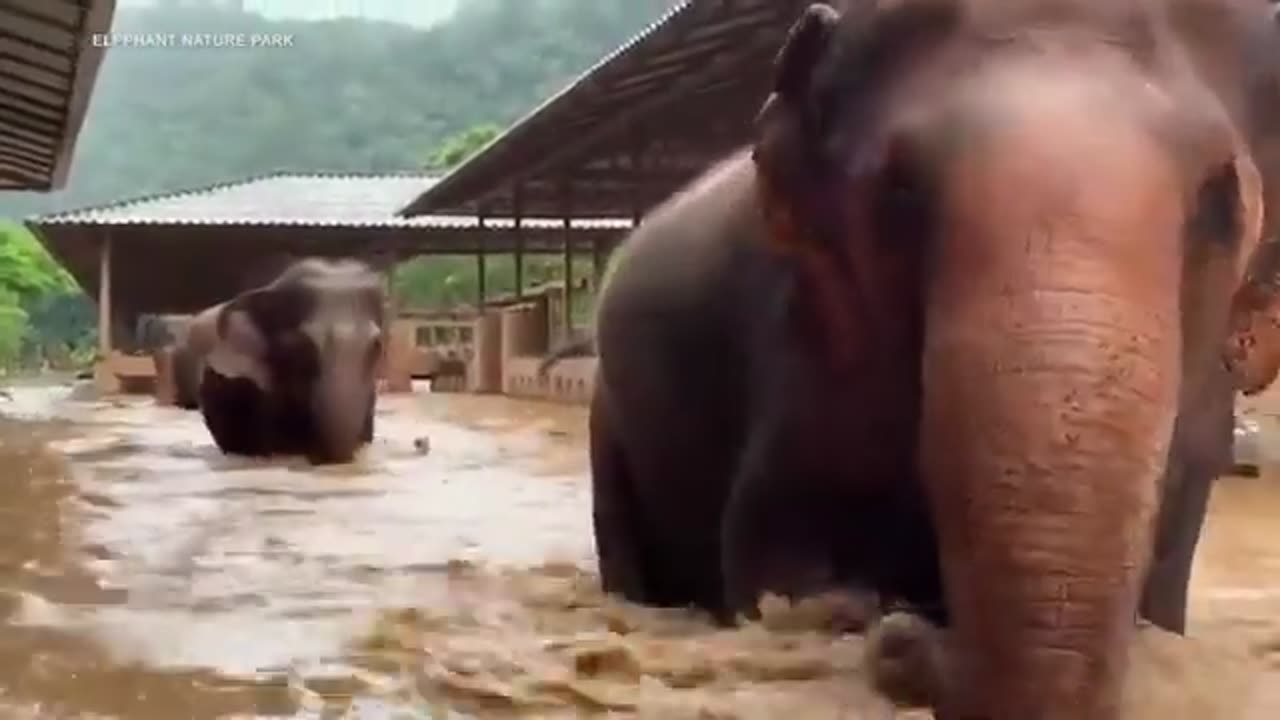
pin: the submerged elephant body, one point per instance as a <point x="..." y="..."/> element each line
<point x="293" y="366"/>
<point x="952" y="330"/>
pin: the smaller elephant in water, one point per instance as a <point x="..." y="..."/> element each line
<point x="159" y="330"/>
<point x="189" y="351"/>
<point x="293" y="365"/>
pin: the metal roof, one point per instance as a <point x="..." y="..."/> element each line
<point x="678" y="95"/>
<point x="48" y="66"/>
<point x="315" y="200"/>
<point x="181" y="251"/>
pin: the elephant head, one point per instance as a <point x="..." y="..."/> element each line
<point x="1042" y="212"/>
<point x="312" y="341"/>
<point x="1253" y="353"/>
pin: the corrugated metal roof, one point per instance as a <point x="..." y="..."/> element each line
<point x="48" y="67"/>
<point x="292" y="199"/>
<point x="700" y="47"/>
<point x="182" y="251"/>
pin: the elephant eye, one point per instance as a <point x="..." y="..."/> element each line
<point x="1217" y="214"/>
<point x="903" y="210"/>
<point x="296" y="354"/>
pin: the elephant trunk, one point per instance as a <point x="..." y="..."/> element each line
<point x="341" y="404"/>
<point x="1050" y="377"/>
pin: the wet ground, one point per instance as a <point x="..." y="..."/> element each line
<point x="144" y="575"/>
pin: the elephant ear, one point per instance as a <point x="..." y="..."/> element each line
<point x="787" y="124"/>
<point x="273" y="310"/>
<point x="245" y="327"/>
<point x="1252" y="354"/>
<point x="829" y="86"/>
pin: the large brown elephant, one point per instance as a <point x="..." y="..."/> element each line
<point x="294" y="364"/>
<point x="953" y="329"/>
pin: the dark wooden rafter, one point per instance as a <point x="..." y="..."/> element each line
<point x="48" y="66"/>
<point x="34" y="69"/>
<point x="710" y="54"/>
<point x="481" y="266"/>
<point x="517" y="229"/>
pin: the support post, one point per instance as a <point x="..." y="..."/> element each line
<point x="396" y="351"/>
<point x="566" y="214"/>
<point x="638" y="147"/>
<point x="481" y="279"/>
<point x="517" y="226"/>
<point x="104" y="297"/>
<point x="104" y="371"/>
<point x="597" y="265"/>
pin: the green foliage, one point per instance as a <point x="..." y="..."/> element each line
<point x="462" y="145"/>
<point x="26" y="268"/>
<point x="13" y="328"/>
<point x="40" y="305"/>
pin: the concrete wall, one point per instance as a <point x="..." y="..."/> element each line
<point x="119" y="373"/>
<point x="569" y="381"/>
<point x="398" y="361"/>
<point x="484" y="372"/>
<point x="526" y="330"/>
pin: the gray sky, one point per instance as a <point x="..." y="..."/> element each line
<point x="420" y="13"/>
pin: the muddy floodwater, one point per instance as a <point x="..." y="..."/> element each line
<point x="144" y="575"/>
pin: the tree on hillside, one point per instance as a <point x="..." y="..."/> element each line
<point x="460" y="146"/>
<point x="40" y="305"/>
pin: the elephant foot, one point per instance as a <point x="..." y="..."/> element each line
<point x="906" y="659"/>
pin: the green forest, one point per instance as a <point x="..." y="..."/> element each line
<point x="348" y="96"/>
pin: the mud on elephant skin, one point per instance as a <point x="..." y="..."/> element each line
<point x="945" y="331"/>
<point x="294" y="366"/>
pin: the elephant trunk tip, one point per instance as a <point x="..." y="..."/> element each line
<point x="342" y="422"/>
<point x="906" y="660"/>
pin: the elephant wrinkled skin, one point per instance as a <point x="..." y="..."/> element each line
<point x="293" y="365"/>
<point x="955" y="329"/>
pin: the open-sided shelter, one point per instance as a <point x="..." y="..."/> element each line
<point x="632" y="129"/>
<point x="182" y="251"/>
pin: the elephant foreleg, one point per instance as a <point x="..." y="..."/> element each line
<point x="366" y="435"/>
<point x="234" y="410"/>
<point x="613" y="510"/>
<point x="186" y="380"/>
<point x="773" y="534"/>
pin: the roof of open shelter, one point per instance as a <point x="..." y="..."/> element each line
<point x="48" y="67"/>
<point x="182" y="251"/>
<point x="636" y="126"/>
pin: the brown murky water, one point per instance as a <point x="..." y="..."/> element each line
<point x="143" y="575"/>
